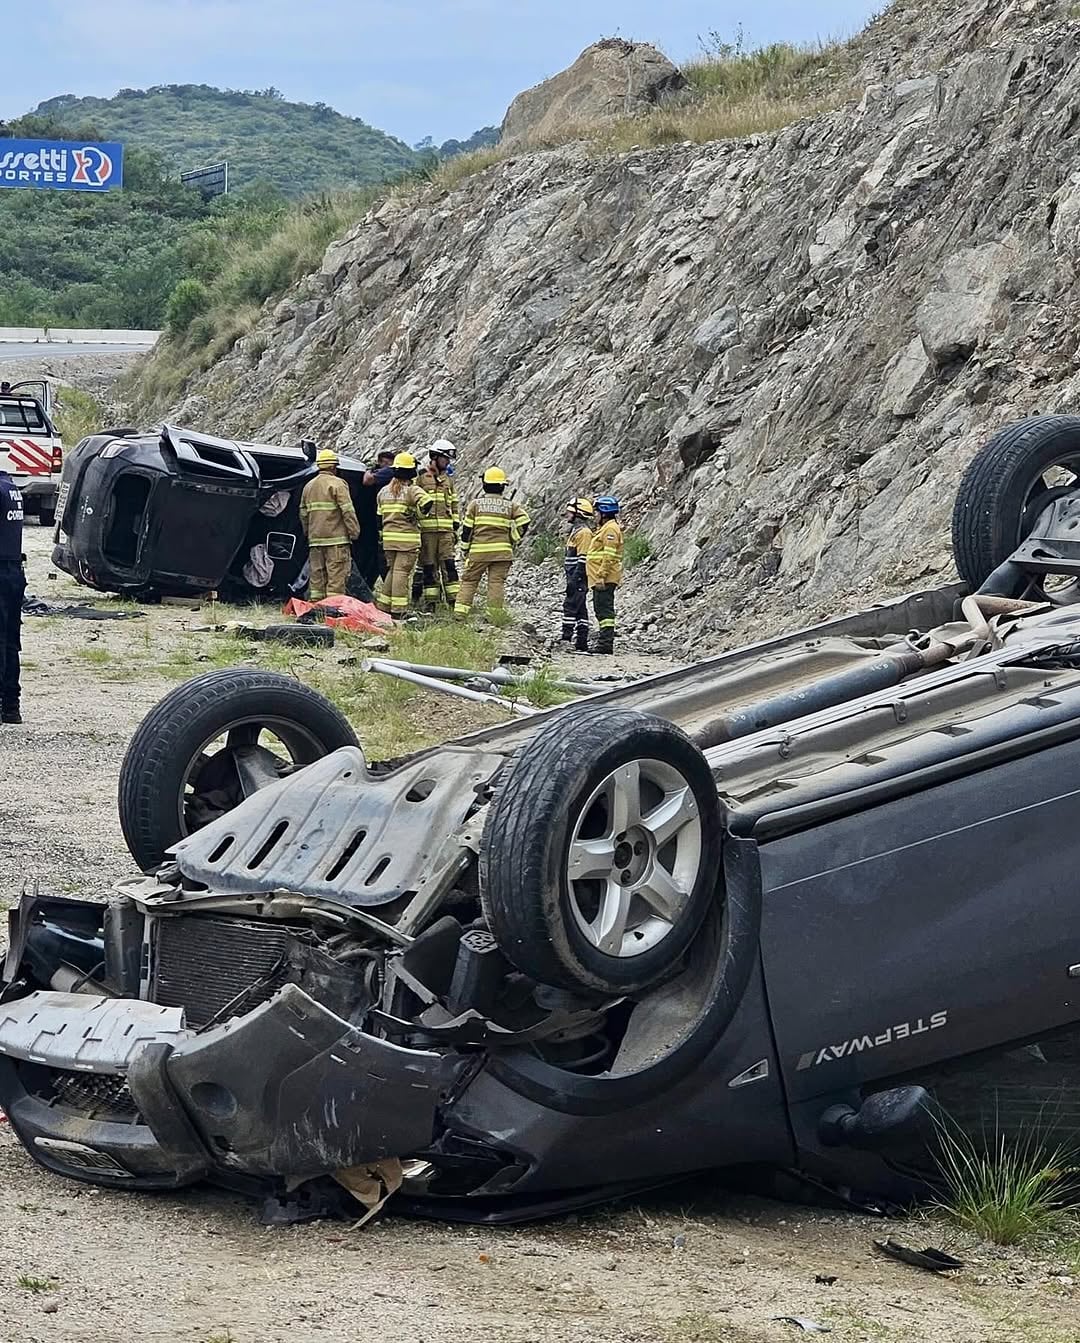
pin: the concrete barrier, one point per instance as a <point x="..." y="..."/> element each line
<point x="22" y="335"/>
<point x="66" y="336"/>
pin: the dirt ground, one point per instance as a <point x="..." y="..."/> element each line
<point x="81" y="1265"/>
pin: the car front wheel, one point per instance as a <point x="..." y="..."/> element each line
<point x="601" y="852"/>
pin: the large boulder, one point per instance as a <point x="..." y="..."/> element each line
<point x="612" y="78"/>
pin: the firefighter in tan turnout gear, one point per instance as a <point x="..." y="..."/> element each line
<point x="575" y="613"/>
<point x="401" y="506"/>
<point x="439" y="529"/>
<point x="329" y="521"/>
<point x="493" y="525"/>
<point x="604" y="567"/>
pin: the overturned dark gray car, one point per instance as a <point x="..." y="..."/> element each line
<point x="775" y="912"/>
<point x="174" y="512"/>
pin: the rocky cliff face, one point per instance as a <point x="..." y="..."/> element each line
<point x="780" y="352"/>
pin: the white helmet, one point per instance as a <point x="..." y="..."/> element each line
<point x="442" y="447"/>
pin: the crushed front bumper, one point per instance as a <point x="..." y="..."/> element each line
<point x="289" y="1091"/>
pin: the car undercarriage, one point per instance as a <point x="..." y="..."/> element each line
<point x="779" y="911"/>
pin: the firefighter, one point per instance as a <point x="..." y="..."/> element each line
<point x="575" y="613"/>
<point x="493" y="525"/>
<point x="329" y="521"/>
<point x="604" y="569"/>
<point x="402" y="505"/>
<point x="12" y="587"/>
<point x="439" y="530"/>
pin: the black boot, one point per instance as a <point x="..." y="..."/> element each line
<point x="10" y="715"/>
<point x="567" y="632"/>
<point x="582" y="644"/>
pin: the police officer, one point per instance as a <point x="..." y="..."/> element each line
<point x="12" y="587"/>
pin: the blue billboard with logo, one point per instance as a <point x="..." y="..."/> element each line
<point x="61" y="165"/>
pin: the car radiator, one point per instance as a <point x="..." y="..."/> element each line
<point x="216" y="967"/>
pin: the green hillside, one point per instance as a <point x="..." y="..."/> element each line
<point x="299" y="147"/>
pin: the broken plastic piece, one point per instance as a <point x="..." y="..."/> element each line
<point x="934" y="1261"/>
<point x="800" y="1322"/>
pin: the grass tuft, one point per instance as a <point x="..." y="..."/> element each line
<point x="1005" y="1189"/>
<point x="636" y="549"/>
<point x="29" y="1283"/>
<point x="543" y="546"/>
<point x="540" y="688"/>
<point x="77" y="415"/>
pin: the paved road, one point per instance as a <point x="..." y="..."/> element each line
<point x="48" y="350"/>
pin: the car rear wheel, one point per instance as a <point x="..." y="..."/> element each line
<point x="212" y="742"/>
<point x="601" y="852"/>
<point x="1007" y="485"/>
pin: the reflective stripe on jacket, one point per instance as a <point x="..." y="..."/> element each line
<point x="604" y="561"/>
<point x="493" y="525"/>
<point x="401" y="507"/>
<point x="444" y="511"/>
<point x="577" y="548"/>
<point x="327" y="514"/>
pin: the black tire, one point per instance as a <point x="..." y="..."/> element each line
<point x="997" y="501"/>
<point x="169" y="740"/>
<point x="530" y="824"/>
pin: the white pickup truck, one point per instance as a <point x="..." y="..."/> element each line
<point x="30" y="447"/>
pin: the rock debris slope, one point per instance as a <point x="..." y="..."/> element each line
<point x="780" y="352"/>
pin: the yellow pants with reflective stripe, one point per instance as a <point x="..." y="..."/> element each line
<point x="329" y="571"/>
<point x="397" y="586"/>
<point x="475" y="569"/>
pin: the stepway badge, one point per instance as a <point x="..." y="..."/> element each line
<point x="64" y="165"/>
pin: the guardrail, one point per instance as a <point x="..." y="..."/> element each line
<point x="54" y="335"/>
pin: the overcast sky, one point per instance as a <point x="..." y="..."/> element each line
<point x="411" y="67"/>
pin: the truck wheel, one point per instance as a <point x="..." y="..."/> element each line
<point x="1005" y="488"/>
<point x="601" y="851"/>
<point x="212" y="742"/>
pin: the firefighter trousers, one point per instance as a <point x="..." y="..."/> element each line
<point x="437" y="575"/>
<point x="330" y="567"/>
<point x="603" y="599"/>
<point x="397" y="585"/>
<point x="475" y="569"/>
<point x="12" y="587"/>
<point x="575" y="611"/>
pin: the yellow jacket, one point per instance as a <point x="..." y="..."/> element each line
<point x="603" y="564"/>
<point x="327" y="514"/>
<point x="444" y="511"/>
<point x="493" y="526"/>
<point x="401" y="506"/>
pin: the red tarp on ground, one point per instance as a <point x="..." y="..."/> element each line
<point x="346" y="612"/>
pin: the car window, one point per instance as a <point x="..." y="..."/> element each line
<point x="25" y="415"/>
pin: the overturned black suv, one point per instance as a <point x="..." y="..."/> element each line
<point x="175" y="512"/>
<point x="781" y="910"/>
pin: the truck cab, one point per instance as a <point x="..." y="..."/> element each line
<point x="30" y="447"/>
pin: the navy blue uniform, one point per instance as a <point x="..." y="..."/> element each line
<point x="12" y="588"/>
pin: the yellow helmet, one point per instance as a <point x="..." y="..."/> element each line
<point x="494" y="475"/>
<point x="404" y="461"/>
<point x="326" y="458"/>
<point x="582" y="506"/>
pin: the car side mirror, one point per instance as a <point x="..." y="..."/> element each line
<point x="879" y="1121"/>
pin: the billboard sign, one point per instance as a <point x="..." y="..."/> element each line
<point x="211" y="181"/>
<point x="64" y="165"/>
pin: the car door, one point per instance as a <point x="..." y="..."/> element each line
<point x="40" y="389"/>
<point x="932" y="926"/>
